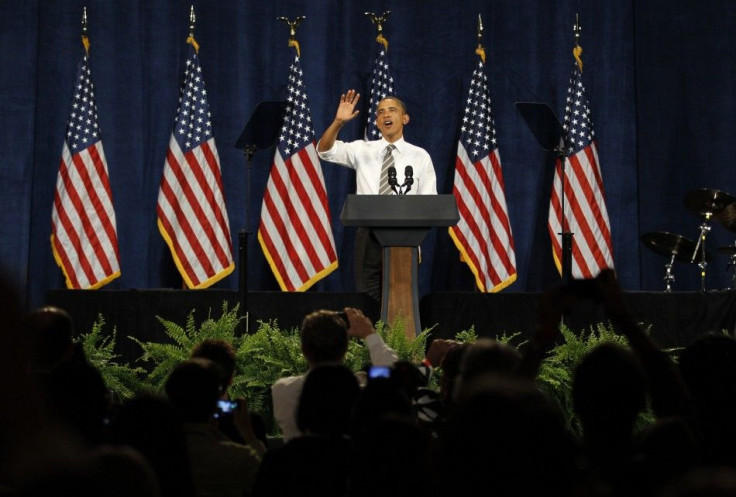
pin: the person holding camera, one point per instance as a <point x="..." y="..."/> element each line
<point x="220" y="467"/>
<point x="324" y="337"/>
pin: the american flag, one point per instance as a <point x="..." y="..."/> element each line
<point x="192" y="216"/>
<point x="83" y="231"/>
<point x="483" y="234"/>
<point x="382" y="86"/>
<point x="585" y="206"/>
<point x="295" y="232"/>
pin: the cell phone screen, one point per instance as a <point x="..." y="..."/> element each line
<point x="226" y="405"/>
<point x="379" y="372"/>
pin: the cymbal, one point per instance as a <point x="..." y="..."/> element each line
<point x="727" y="217"/>
<point x="669" y="244"/>
<point x="707" y="201"/>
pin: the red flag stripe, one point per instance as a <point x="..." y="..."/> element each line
<point x="202" y="202"/>
<point x="483" y="231"/>
<point x="180" y="215"/>
<point x="295" y="228"/>
<point x="66" y="234"/>
<point x="474" y="215"/>
<point x="283" y="234"/>
<point x="89" y="209"/>
<point x="72" y="175"/>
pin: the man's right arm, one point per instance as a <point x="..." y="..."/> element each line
<point x="345" y="112"/>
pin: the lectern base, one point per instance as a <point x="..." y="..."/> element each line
<point x="399" y="281"/>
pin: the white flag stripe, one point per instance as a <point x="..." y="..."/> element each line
<point x="285" y="212"/>
<point x="475" y="211"/>
<point x="269" y="224"/>
<point x="306" y="220"/>
<point x="207" y="220"/>
<point x="186" y="251"/>
<point x="84" y="238"/>
<point x="78" y="223"/>
<point x="496" y="230"/>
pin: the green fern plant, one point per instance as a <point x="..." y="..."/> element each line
<point x="164" y="357"/>
<point x="557" y="369"/>
<point x="121" y="378"/>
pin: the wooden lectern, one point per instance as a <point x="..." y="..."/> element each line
<point x="400" y="223"/>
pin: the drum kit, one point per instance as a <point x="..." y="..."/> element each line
<point x="708" y="205"/>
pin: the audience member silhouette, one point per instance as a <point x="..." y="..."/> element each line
<point x="708" y="366"/>
<point x="317" y="462"/>
<point x="706" y="481"/>
<point x="151" y="425"/>
<point x="220" y="467"/>
<point x="486" y="357"/>
<point x="505" y="437"/>
<point x="224" y="355"/>
<point x="76" y="394"/>
<point x="324" y="340"/>
<point x="393" y="456"/>
<point x="103" y="472"/>
<point x="608" y="394"/>
<point x="49" y="331"/>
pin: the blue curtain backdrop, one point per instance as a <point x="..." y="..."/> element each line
<point x="659" y="76"/>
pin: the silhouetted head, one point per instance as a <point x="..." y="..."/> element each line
<point x="194" y="387"/>
<point x="486" y="357"/>
<point x="708" y="367"/>
<point x="49" y="330"/>
<point x="609" y="389"/>
<point x="220" y="352"/>
<point x="327" y="399"/>
<point x="324" y="337"/>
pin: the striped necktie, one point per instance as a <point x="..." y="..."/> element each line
<point x="388" y="160"/>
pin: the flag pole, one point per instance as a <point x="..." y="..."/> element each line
<point x="562" y="152"/>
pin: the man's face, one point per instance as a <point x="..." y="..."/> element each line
<point x="390" y="119"/>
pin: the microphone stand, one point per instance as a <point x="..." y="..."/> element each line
<point x="260" y="133"/>
<point x="243" y="235"/>
<point x="566" y="235"/>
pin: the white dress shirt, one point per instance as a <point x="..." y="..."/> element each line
<point x="366" y="158"/>
<point x="285" y="392"/>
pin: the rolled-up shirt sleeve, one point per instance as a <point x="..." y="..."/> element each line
<point x="340" y="153"/>
<point x="381" y="354"/>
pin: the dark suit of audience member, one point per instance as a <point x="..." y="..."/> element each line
<point x="220" y="467"/>
<point x="508" y="439"/>
<point x="153" y="426"/>
<point x="708" y="366"/>
<point x="318" y="461"/>
<point x="394" y="454"/>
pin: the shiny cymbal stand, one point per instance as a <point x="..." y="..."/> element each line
<point x="705" y="203"/>
<point x="669" y="276"/>
<point x="700" y="249"/>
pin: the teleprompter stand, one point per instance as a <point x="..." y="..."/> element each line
<point x="546" y="128"/>
<point x="400" y="223"/>
<point x="260" y="133"/>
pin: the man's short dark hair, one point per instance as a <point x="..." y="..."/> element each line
<point x="219" y="351"/>
<point x="324" y="337"/>
<point x="397" y="99"/>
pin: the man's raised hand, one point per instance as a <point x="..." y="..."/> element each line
<point x="346" y="110"/>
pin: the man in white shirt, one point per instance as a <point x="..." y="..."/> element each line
<point x="325" y="336"/>
<point x="368" y="158"/>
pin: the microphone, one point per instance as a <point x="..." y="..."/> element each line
<point x="408" y="178"/>
<point x="392" y="178"/>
